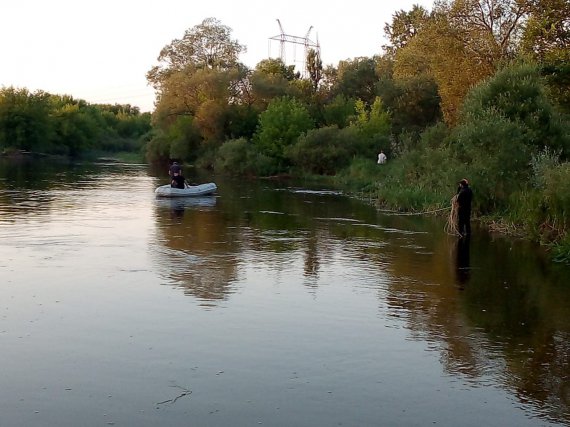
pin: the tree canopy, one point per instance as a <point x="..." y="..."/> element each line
<point x="207" y="45"/>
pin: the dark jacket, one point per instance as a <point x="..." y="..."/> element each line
<point x="464" y="198"/>
<point x="177" y="181"/>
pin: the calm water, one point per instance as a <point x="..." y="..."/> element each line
<point x="269" y="304"/>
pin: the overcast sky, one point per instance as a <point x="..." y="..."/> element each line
<point x="101" y="50"/>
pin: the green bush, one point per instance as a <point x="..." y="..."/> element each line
<point x="543" y="210"/>
<point x="435" y="136"/>
<point x="518" y="94"/>
<point x="556" y="195"/>
<point x="321" y="151"/>
<point x="495" y="155"/>
<point x="157" y="149"/>
<point x="541" y="163"/>
<point x="561" y="250"/>
<point x="340" y="111"/>
<point x="362" y="174"/>
<point x="240" y="157"/>
<point x="279" y="127"/>
<point x="232" y="157"/>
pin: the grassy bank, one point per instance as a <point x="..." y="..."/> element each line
<point x="536" y="210"/>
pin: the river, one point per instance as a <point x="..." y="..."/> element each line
<point x="272" y="303"/>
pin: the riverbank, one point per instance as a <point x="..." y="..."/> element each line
<point x="530" y="214"/>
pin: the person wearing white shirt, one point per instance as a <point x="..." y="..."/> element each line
<point x="381" y="158"/>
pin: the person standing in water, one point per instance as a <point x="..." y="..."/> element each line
<point x="464" y="198"/>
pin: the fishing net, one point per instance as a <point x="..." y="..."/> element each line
<point x="451" y="224"/>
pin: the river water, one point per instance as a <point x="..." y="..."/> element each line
<point x="273" y="304"/>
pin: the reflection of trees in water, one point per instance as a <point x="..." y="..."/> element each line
<point x="544" y="374"/>
<point x="484" y="306"/>
<point x="201" y="246"/>
<point x="35" y="187"/>
<point x="197" y="250"/>
<point x="505" y="319"/>
<point x="311" y="264"/>
<point x="462" y="261"/>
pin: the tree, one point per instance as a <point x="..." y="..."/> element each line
<point x="461" y="43"/>
<point x="241" y="89"/>
<point x="405" y="25"/>
<point x="413" y="103"/>
<point x="207" y="45"/>
<point x="372" y="121"/>
<point x="322" y="151"/>
<point x="202" y="93"/>
<point x="184" y="138"/>
<point x="76" y="128"/>
<point x="271" y="79"/>
<point x="340" y="111"/>
<point x="356" y="79"/>
<point x="24" y="119"/>
<point x="329" y="79"/>
<point x="315" y="67"/>
<point x="547" y="31"/>
<point x="280" y="126"/>
<point x="275" y="66"/>
<point x="447" y="61"/>
<point x="518" y="94"/>
<point x="547" y="39"/>
<point x="505" y="120"/>
<point x="489" y="30"/>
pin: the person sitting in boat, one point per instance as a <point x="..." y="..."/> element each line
<point x="175" y="169"/>
<point x="178" y="181"/>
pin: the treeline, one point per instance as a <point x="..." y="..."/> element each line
<point x="40" y="122"/>
<point x="469" y="89"/>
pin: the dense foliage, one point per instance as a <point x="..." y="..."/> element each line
<point x="469" y="89"/>
<point x="52" y="124"/>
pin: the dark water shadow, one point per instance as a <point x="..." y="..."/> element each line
<point x="463" y="264"/>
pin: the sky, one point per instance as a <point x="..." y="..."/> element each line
<point x="100" y="51"/>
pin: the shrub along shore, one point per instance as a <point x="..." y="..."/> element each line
<point x="526" y="216"/>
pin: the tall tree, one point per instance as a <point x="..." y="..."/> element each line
<point x="547" y="31"/>
<point x="272" y="79"/>
<point x="405" y="25"/>
<point x="315" y="67"/>
<point x="461" y="43"/>
<point x="207" y="45"/>
<point x="357" y="79"/>
<point x="275" y="66"/>
<point x="489" y="29"/>
<point x="547" y="39"/>
<point x="448" y="62"/>
<point x="184" y="92"/>
<point x="199" y="76"/>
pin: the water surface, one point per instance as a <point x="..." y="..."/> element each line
<point x="271" y="303"/>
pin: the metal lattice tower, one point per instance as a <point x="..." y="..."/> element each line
<point x="293" y="41"/>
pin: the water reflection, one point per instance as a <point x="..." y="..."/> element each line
<point x="179" y="205"/>
<point x="493" y="315"/>
<point x="494" y="311"/>
<point x="463" y="266"/>
<point x="505" y="320"/>
<point x="194" y="247"/>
